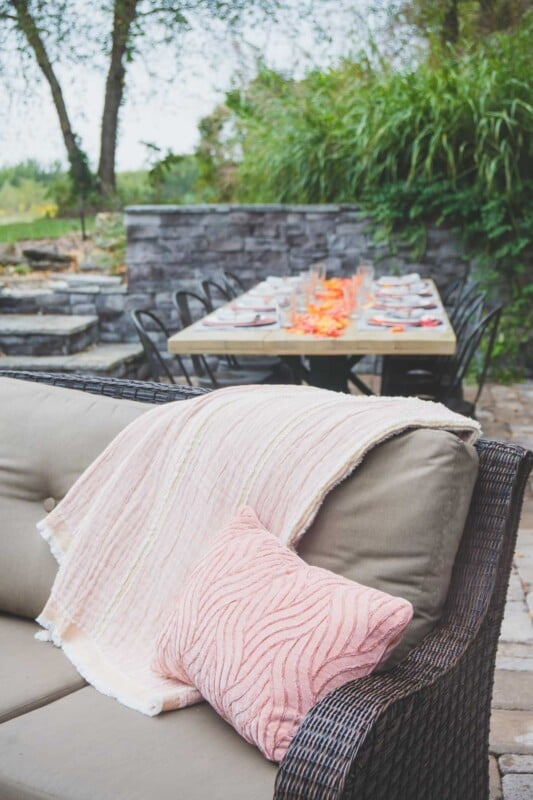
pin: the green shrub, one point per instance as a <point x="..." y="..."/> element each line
<point x="447" y="142"/>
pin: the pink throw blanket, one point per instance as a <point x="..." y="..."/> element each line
<point x="135" y="523"/>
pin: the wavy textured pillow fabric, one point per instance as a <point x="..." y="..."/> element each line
<point x="263" y="636"/>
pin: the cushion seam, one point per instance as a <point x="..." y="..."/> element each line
<point x="39" y="702"/>
<point x="37" y="792"/>
<point x="438" y="549"/>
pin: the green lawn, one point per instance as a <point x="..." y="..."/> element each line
<point x="45" y="228"/>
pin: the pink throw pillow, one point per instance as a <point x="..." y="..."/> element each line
<point x="263" y="636"/>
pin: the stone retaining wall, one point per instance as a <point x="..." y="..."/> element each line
<point x="174" y="246"/>
<point x="171" y="247"/>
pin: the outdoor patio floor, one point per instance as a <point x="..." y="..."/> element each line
<point x="506" y="413"/>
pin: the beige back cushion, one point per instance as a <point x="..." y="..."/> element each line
<point x="396" y="523"/>
<point x="48" y="436"/>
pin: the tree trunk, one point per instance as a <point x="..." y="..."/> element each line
<point x="450" y="23"/>
<point x="28" y="27"/>
<point x="486" y="14"/>
<point x="123" y="17"/>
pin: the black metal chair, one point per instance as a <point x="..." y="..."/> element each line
<point x="445" y="384"/>
<point x="484" y="333"/>
<point x="469" y="315"/>
<point x="223" y="376"/>
<point x="233" y="282"/>
<point x="462" y="301"/>
<point x="453" y="291"/>
<point x="159" y="366"/>
<point x="213" y="289"/>
<point x="398" y="371"/>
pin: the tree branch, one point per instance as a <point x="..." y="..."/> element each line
<point x="450" y="23"/>
<point x="27" y="25"/>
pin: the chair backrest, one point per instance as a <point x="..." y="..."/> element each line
<point x="451" y="293"/>
<point x="465" y="322"/>
<point x="234" y="283"/>
<point x="462" y="300"/>
<point x="469" y="315"/>
<point x="182" y="300"/>
<point x="142" y="319"/>
<point x="486" y="329"/>
<point x="215" y="291"/>
<point x="225" y="293"/>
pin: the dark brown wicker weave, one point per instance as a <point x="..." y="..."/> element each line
<point x="420" y="731"/>
<point x="142" y="391"/>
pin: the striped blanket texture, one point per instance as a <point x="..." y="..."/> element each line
<point x="136" y="522"/>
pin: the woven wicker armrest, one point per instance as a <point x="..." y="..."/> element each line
<point x="141" y="391"/>
<point x="421" y="729"/>
<point x="368" y="720"/>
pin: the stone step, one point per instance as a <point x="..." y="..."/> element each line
<point x="46" y="334"/>
<point x="56" y="297"/>
<point x="24" y="301"/>
<point x="92" y="279"/>
<point x="113" y="360"/>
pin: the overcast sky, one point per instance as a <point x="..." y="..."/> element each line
<point x="163" y="113"/>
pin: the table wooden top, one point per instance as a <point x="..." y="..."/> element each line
<point x="198" y="339"/>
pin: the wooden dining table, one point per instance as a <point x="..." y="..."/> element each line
<point x="329" y="360"/>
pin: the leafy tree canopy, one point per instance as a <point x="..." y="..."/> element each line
<point x="47" y="33"/>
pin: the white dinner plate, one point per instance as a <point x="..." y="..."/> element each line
<point x="399" y="280"/>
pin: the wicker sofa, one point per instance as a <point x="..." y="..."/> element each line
<point x="419" y="730"/>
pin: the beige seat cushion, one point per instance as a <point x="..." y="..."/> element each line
<point x="31" y="673"/>
<point x="396" y="522"/>
<point x="88" y="747"/>
<point x="48" y="436"/>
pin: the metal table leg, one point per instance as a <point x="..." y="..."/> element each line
<point x="329" y="372"/>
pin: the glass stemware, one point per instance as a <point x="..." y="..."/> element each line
<point x="365" y="272"/>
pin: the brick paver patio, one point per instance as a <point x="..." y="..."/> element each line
<point x="506" y="413"/>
